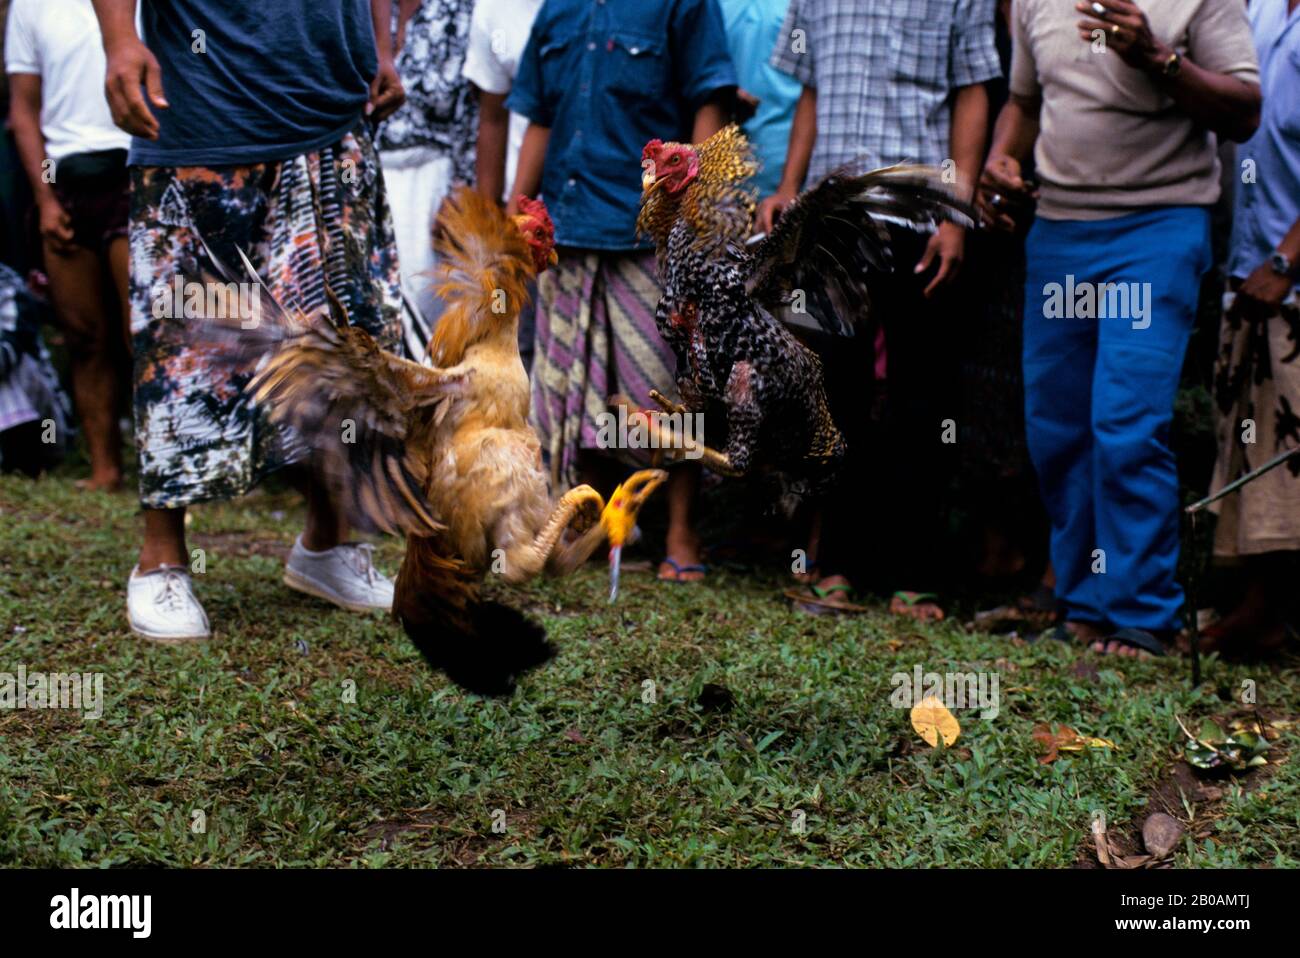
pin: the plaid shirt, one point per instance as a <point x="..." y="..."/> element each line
<point x="884" y="71"/>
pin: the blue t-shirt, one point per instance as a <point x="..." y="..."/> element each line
<point x="752" y="28"/>
<point x="274" y="80"/>
<point x="606" y="78"/>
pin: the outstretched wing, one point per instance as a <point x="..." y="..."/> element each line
<point x="820" y="255"/>
<point x="358" y="408"/>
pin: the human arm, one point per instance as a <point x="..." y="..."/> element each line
<point x="803" y="135"/>
<point x="532" y="159"/>
<point x="947" y="246"/>
<point x="386" y="93"/>
<point x="1227" y="105"/>
<point x="130" y="66"/>
<point x="493" y="139"/>
<point x="25" y="121"/>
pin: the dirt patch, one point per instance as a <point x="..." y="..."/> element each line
<point x="463" y="841"/>
<point x="1190" y="796"/>
<point x="241" y="544"/>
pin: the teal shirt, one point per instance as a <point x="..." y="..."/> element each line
<point x="752" y="28"/>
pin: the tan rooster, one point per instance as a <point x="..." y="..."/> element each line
<point x="444" y="453"/>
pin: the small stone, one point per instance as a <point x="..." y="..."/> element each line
<point x="1161" y="833"/>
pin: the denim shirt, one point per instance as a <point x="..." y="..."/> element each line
<point x="1269" y="204"/>
<point x="608" y="76"/>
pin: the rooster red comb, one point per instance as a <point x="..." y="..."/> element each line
<point x="537" y="210"/>
<point x="651" y="148"/>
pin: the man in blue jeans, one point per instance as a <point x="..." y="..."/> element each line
<point x="1119" y="102"/>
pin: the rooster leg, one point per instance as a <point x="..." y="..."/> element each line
<point x="678" y="448"/>
<point x="528" y="559"/>
<point x="667" y="405"/>
<point x="713" y="460"/>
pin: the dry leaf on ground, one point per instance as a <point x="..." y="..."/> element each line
<point x="932" y="720"/>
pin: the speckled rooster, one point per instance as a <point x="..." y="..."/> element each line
<point x="723" y="295"/>
<point x="444" y="453"/>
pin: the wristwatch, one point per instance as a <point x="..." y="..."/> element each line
<point x="1282" y="264"/>
<point x="1173" y="63"/>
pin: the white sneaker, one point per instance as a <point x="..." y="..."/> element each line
<point x="345" y="575"/>
<point x="160" y="605"/>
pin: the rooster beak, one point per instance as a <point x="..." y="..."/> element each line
<point x="552" y="257"/>
<point x="619" y="517"/>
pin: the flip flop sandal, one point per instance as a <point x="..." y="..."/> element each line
<point x="679" y="570"/>
<point x="1139" y="639"/>
<point x="912" y="599"/>
<point x="815" y="600"/>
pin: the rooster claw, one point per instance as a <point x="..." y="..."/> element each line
<point x="588" y="508"/>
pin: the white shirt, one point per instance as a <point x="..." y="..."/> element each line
<point x="59" y="41"/>
<point x="498" y="33"/>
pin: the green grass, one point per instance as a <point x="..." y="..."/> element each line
<point x="255" y="731"/>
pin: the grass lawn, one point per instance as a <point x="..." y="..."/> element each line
<point x="758" y="714"/>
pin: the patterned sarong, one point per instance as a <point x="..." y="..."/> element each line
<point x="596" y="336"/>
<point x="318" y="218"/>
<point x="1257" y="391"/>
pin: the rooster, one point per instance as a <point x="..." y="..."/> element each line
<point x="444" y="453"/>
<point x="724" y="294"/>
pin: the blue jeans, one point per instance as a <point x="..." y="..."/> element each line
<point x="1100" y="382"/>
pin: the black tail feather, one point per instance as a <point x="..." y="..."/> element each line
<point x="483" y="648"/>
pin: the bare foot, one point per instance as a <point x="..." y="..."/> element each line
<point x="675" y="570"/>
<point x="1128" y="643"/>
<point x="108" y="483"/>
<point x="1121" y="649"/>
<point x="1085" y="633"/>
<point x="911" y="605"/>
<point x="831" y="595"/>
<point x="684" y="562"/>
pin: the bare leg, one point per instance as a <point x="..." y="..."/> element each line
<point x="326" y="527"/>
<point x="76" y="289"/>
<point x="683" y="541"/>
<point x="118" y="267"/>
<point x="164" y="539"/>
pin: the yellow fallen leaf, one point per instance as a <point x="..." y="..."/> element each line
<point x="933" y="721"/>
<point x="1084" y="741"/>
<point x="1062" y="738"/>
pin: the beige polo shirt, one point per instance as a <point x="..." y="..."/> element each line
<point x="1110" y="141"/>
